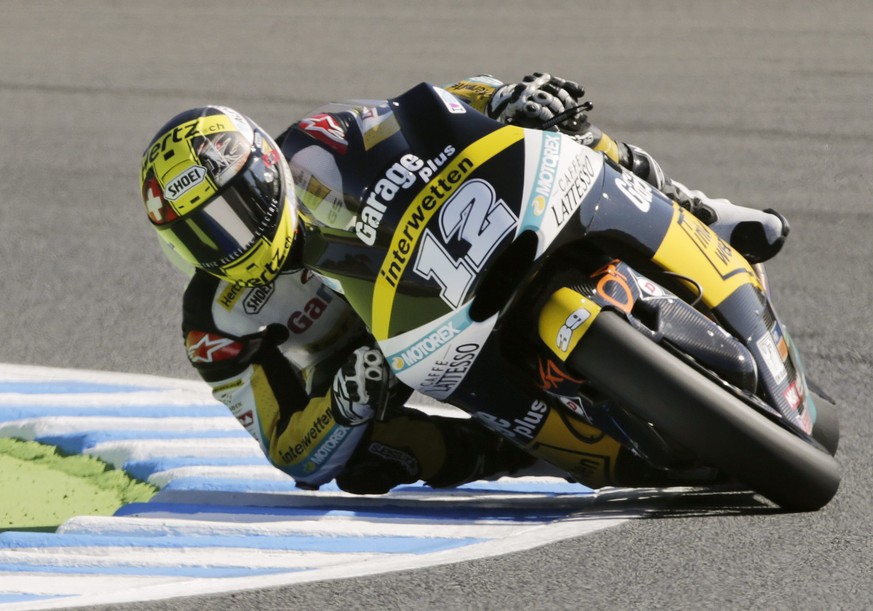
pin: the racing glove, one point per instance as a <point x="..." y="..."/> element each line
<point x="360" y="388"/>
<point x="541" y="101"/>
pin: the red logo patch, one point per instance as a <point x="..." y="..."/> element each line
<point x="327" y="130"/>
<point x="792" y="395"/>
<point x="207" y="348"/>
<point x="247" y="419"/>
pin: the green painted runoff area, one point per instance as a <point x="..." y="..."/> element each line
<point x="41" y="488"/>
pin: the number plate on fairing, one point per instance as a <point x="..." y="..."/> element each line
<point x="454" y="249"/>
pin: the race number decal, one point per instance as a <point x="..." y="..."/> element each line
<point x="475" y="215"/>
<point x="564" y="319"/>
<point x="410" y="230"/>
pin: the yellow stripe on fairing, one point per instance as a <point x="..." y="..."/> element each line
<point x="476" y="154"/>
<point x="692" y="249"/>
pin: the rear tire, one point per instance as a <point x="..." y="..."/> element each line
<point x="706" y="419"/>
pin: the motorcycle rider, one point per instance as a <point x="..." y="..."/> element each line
<point x="286" y="354"/>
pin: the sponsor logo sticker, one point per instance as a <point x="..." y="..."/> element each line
<point x="229" y="296"/>
<point x="208" y="348"/>
<point x="550" y="157"/>
<point x="525" y="427"/>
<point x="184" y="182"/>
<point x="637" y="191"/>
<point x="327" y="130"/>
<point x="424" y="347"/>
<point x="402" y="175"/>
<point x="257" y="297"/>
<point x="452" y="103"/>
<point x="445" y="375"/>
<point x="772" y="358"/>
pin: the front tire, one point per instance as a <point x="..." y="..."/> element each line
<point x="827" y="423"/>
<point x="701" y="416"/>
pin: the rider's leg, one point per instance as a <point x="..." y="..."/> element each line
<point x="441" y="451"/>
<point x="445" y="452"/>
<point x="757" y="234"/>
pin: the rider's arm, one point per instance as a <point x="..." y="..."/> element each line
<point x="541" y="101"/>
<point x="510" y="103"/>
<point x="299" y="430"/>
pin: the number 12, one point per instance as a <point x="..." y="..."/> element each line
<point x="475" y="215"/>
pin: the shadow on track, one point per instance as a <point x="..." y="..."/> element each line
<point x="663" y="503"/>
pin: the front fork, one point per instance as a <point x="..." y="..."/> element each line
<point x="563" y="321"/>
<point x="759" y="270"/>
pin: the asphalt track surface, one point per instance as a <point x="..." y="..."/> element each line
<point x="766" y="103"/>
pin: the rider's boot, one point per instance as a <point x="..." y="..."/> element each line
<point x="758" y="235"/>
<point x="477" y="454"/>
<point x="443" y="452"/>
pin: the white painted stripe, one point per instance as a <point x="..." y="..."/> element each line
<point x="116" y="453"/>
<point x="133" y="400"/>
<point x="150" y="527"/>
<point x="107" y="592"/>
<point x="93" y="557"/>
<point x="73" y="585"/>
<point x="28" y="373"/>
<point x="250" y="472"/>
<point x="65" y="425"/>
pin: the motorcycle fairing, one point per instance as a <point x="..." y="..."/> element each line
<point x="415" y="284"/>
<point x="632" y="219"/>
<point x="657" y="312"/>
<point x="445" y="194"/>
<point x="552" y="193"/>
<point x="391" y="283"/>
<point x="547" y="206"/>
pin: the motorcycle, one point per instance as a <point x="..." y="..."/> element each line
<point x="553" y="295"/>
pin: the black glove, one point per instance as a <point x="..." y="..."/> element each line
<point x="541" y="101"/>
<point x="360" y="387"/>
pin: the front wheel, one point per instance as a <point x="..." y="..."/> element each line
<point x="827" y="423"/>
<point x="704" y="418"/>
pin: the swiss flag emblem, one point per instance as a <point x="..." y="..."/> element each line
<point x="157" y="209"/>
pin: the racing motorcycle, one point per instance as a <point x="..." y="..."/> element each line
<point x="553" y="295"/>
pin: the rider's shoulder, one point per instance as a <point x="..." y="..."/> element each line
<point x="336" y="126"/>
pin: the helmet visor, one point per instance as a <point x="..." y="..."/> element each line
<point x="229" y="224"/>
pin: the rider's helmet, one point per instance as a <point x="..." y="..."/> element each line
<point x="219" y="192"/>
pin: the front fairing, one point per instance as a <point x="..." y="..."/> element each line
<point x="633" y="219"/>
<point x="438" y="202"/>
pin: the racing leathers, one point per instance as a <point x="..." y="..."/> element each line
<point x="273" y="354"/>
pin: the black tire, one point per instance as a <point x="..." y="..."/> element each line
<point x="716" y="426"/>
<point x="827" y="423"/>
